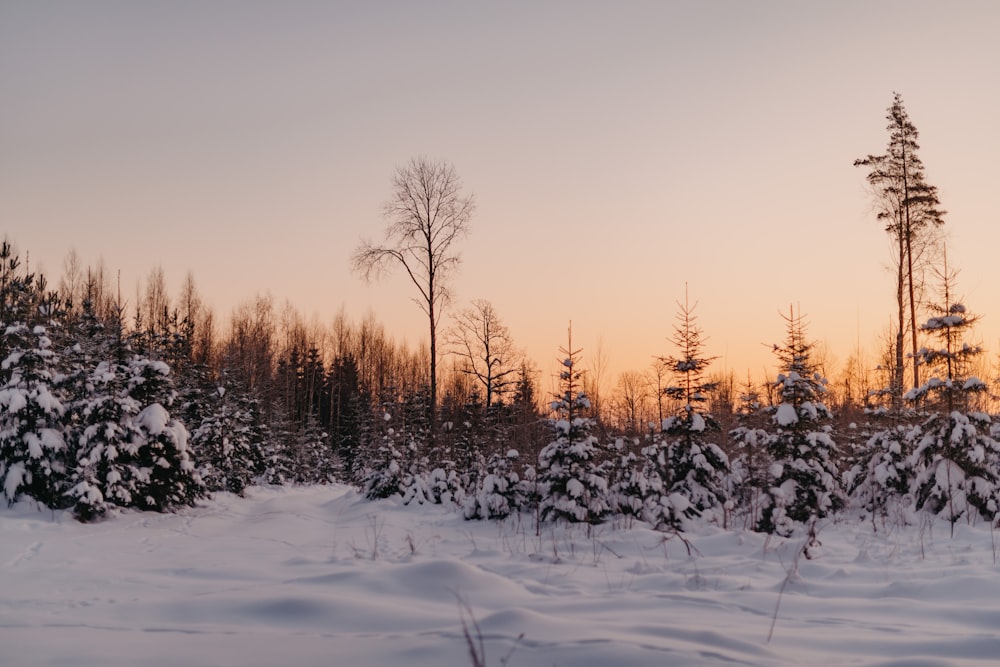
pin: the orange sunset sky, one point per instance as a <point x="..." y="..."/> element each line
<point x="616" y="152"/>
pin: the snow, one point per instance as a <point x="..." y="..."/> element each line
<point x="786" y="416"/>
<point x="14" y="399"/>
<point x="15" y="477"/>
<point x="154" y="419"/>
<point x="318" y="576"/>
<point x="697" y="422"/>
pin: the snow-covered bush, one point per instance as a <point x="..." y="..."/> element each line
<point x="499" y="494"/>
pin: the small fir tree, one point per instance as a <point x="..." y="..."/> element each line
<point x="574" y="486"/>
<point x="880" y="473"/>
<point x="803" y="481"/>
<point x="955" y="458"/>
<point x="696" y="466"/>
<point x="229" y="441"/>
<point x="748" y="475"/>
<point x="631" y="490"/>
<point x="384" y="476"/>
<point x="499" y="494"/>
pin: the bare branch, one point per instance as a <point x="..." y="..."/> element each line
<point x="425" y="215"/>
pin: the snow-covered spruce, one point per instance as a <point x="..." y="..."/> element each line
<point x="32" y="448"/>
<point x="574" y="482"/>
<point x="880" y="478"/>
<point x="132" y="453"/>
<point x="747" y="480"/>
<point x="229" y="442"/>
<point x="802" y="481"/>
<point x="693" y="477"/>
<point x="384" y="475"/>
<point x="499" y="494"/>
<point x="694" y="472"/>
<point x="630" y="488"/>
<point x="956" y="458"/>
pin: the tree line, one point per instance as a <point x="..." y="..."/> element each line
<point x="148" y="402"/>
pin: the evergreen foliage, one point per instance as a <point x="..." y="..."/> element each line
<point x="882" y="474"/>
<point x="695" y="467"/>
<point x="32" y="446"/>
<point x="229" y="441"/>
<point x="384" y="477"/>
<point x="910" y="209"/>
<point x="500" y="493"/>
<point x="803" y="480"/>
<point x="630" y="487"/>
<point x="574" y="483"/>
<point x="955" y="457"/>
<point x="748" y="475"/>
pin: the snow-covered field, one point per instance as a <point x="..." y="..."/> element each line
<point x="320" y="576"/>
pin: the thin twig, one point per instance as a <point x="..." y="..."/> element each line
<point x="811" y="540"/>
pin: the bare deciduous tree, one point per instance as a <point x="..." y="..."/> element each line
<point x="72" y="280"/>
<point x="484" y="345"/>
<point x="425" y="215"/>
<point x="632" y="402"/>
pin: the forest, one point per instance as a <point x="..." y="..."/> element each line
<point x="152" y="402"/>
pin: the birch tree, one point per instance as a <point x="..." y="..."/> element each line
<point x="426" y="215"/>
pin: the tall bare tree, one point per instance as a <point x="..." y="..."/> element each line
<point x="72" y="280"/>
<point x="484" y="345"/>
<point x="910" y="209"/>
<point x="425" y="216"/>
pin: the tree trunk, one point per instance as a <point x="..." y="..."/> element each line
<point x="897" y="375"/>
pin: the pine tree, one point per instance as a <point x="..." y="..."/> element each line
<point x="499" y="493"/>
<point x="630" y="488"/>
<point x="696" y="467"/>
<point x="384" y="462"/>
<point x="573" y="483"/>
<point x="748" y="478"/>
<point x="415" y="436"/>
<point x="166" y="477"/>
<point x="32" y="447"/>
<point x="955" y="458"/>
<point x="803" y="481"/>
<point x="882" y="474"/>
<point x="229" y="440"/>
<point x="909" y="207"/>
<point x="348" y="405"/>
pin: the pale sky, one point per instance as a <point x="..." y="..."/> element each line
<point x="616" y="152"/>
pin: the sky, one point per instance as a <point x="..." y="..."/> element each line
<point x="619" y="153"/>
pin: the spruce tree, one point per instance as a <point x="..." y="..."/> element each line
<point x="32" y="447"/>
<point x="696" y="466"/>
<point x="630" y="487"/>
<point x="574" y="487"/>
<point x="955" y="458"/>
<point x="748" y="476"/>
<point x="383" y="472"/>
<point x="498" y="494"/>
<point x="347" y="407"/>
<point x="882" y="473"/>
<point x="229" y="441"/>
<point x="803" y="480"/>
